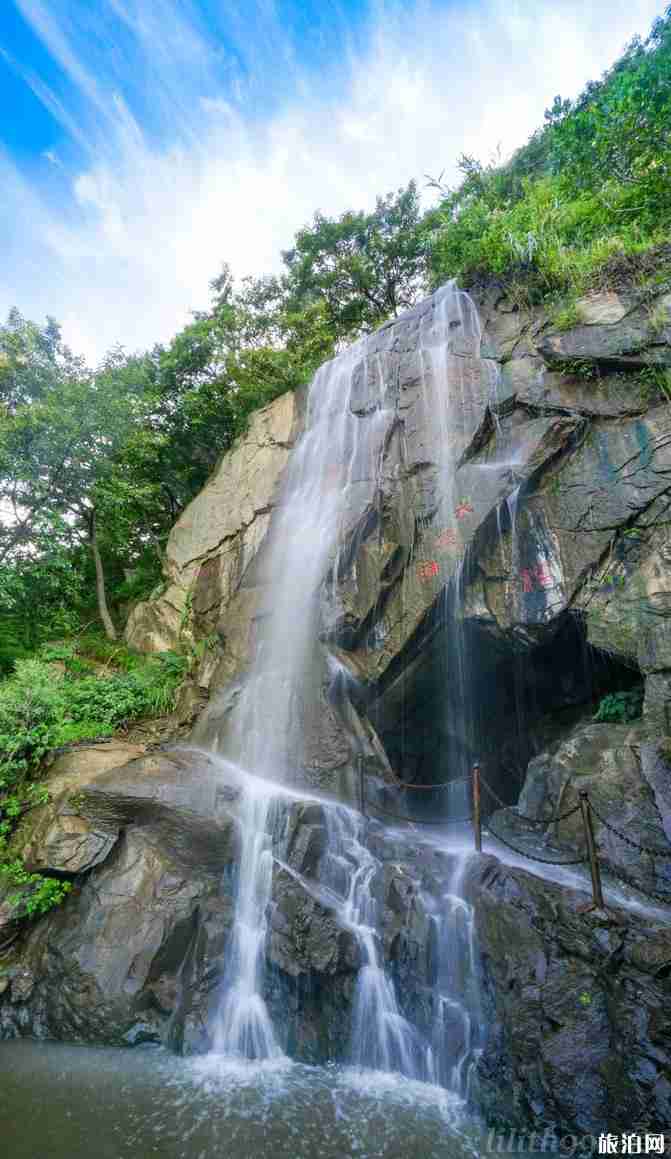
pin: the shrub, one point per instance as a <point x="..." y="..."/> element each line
<point x="41" y="708"/>
<point x="567" y="316"/>
<point x="36" y="894"/>
<point x="621" y="707"/>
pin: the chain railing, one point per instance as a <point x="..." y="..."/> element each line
<point x="592" y="855"/>
<point x="629" y="841"/>
<point x="525" y="816"/>
<point x="535" y="856"/>
<point x="414" y="820"/>
<point x="427" y="788"/>
<point x="365" y="805"/>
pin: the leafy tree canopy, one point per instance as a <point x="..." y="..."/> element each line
<point x="364" y="268"/>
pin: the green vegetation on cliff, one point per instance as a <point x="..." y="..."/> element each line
<point x="84" y="690"/>
<point x="590" y="188"/>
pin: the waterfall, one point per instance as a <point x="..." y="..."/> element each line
<point x="323" y="499"/>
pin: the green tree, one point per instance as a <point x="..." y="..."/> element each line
<point x="30" y="357"/>
<point x="58" y="442"/>
<point x="619" y="130"/>
<point x="363" y="267"/>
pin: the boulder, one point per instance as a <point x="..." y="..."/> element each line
<point x="305" y="935"/>
<point x="626" y="781"/>
<point x="577" y="1035"/>
<point x="55" y="837"/>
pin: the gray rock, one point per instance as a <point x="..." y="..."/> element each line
<point x="607" y="761"/>
<point x="577" y="1035"/>
<point x="627" y="340"/>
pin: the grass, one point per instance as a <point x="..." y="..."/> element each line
<point x="566" y="316"/>
<point x="549" y="240"/>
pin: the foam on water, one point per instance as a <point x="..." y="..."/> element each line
<point x="147" y="1102"/>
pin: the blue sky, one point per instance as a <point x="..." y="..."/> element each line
<point x="144" y="142"/>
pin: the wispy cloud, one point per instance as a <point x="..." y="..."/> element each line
<point x="194" y="145"/>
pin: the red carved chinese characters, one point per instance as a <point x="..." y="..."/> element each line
<point x="543" y="575"/>
<point x="463" y="509"/>
<point x="538" y="576"/>
<point x="526" y="575"/>
<point x="427" y="569"/>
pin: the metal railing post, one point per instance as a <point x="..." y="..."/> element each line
<point x="597" y="893"/>
<point x="362" y="793"/>
<point x="477" y="821"/>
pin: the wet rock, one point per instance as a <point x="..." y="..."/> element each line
<point x="310" y="986"/>
<point x="125" y="959"/>
<point x="306" y="839"/>
<point x="305" y="935"/>
<point x="573" y="1005"/>
<point x="604" y="760"/>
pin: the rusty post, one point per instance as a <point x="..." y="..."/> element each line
<point x="362" y="791"/>
<point x="595" y="871"/>
<point x="477" y="820"/>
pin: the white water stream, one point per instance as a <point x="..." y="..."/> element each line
<point x="330" y="468"/>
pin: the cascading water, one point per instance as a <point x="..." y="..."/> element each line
<point x="457" y="1028"/>
<point x="319" y="507"/>
<point x="244" y="1029"/>
<point x="265" y="736"/>
<point x="382" y="1039"/>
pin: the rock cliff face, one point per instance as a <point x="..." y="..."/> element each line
<point x="214" y="558"/>
<point x="558" y="539"/>
<point x="576" y="1005"/>
<point x="486" y="623"/>
<point x="138" y="953"/>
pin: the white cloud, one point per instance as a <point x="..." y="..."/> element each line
<point x="122" y="249"/>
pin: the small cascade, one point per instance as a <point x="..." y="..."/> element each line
<point x="382" y="1039"/>
<point x="457" y="1029"/>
